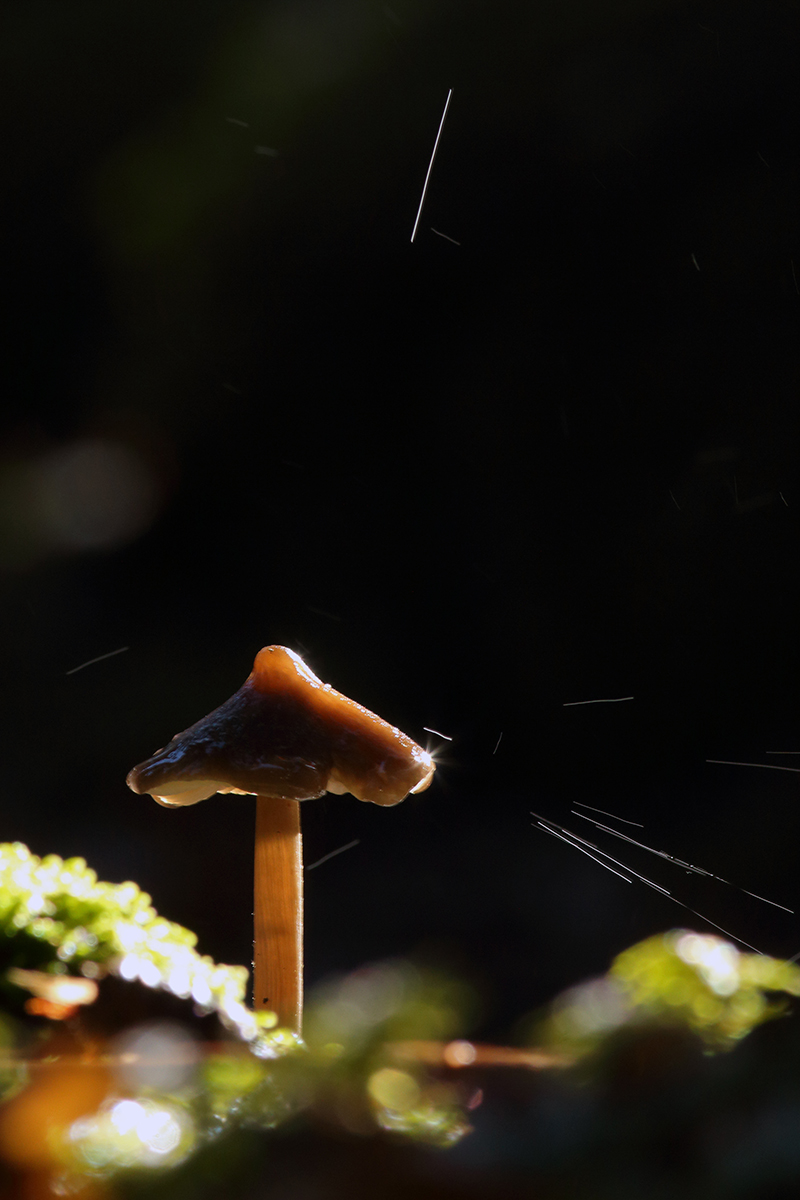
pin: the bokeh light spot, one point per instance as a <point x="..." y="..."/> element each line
<point x="93" y="494"/>
<point x="394" y="1089"/>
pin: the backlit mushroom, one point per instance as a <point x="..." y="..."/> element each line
<point x="284" y="737"/>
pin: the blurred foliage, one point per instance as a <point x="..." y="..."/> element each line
<point x="150" y="1099"/>
<point x="128" y="1129"/>
<point x="697" y="982"/>
<point x="153" y="1108"/>
<point x="706" y="983"/>
<point x="650" y="1023"/>
<point x="350" y="1025"/>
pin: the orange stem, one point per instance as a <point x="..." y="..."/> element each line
<point x="278" y="911"/>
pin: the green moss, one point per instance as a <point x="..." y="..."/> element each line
<point x="705" y="983"/>
<point x="57" y="917"/>
<point x="696" y="981"/>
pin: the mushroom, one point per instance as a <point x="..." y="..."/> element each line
<point x="284" y="737"/>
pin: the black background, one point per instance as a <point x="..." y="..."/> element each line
<point x="469" y="483"/>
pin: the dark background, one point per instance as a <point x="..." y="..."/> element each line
<point x="469" y="483"/>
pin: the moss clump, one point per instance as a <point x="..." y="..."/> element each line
<point x="705" y="983"/>
<point x="697" y="982"/>
<point x="57" y="917"/>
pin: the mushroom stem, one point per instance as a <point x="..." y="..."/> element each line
<point x="278" y="910"/>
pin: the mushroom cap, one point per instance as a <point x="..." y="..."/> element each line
<point x="288" y="735"/>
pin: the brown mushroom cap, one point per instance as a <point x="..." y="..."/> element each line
<point x="287" y="735"/>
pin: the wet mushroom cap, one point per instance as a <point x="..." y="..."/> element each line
<point x="288" y="735"/>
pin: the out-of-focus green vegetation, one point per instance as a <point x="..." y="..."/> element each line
<point x="694" y="981"/>
<point x="156" y="1097"/>
<point x="705" y="983"/>
<point x="156" y="1115"/>
<point x="152" y="1107"/>
<point x="351" y="1023"/>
